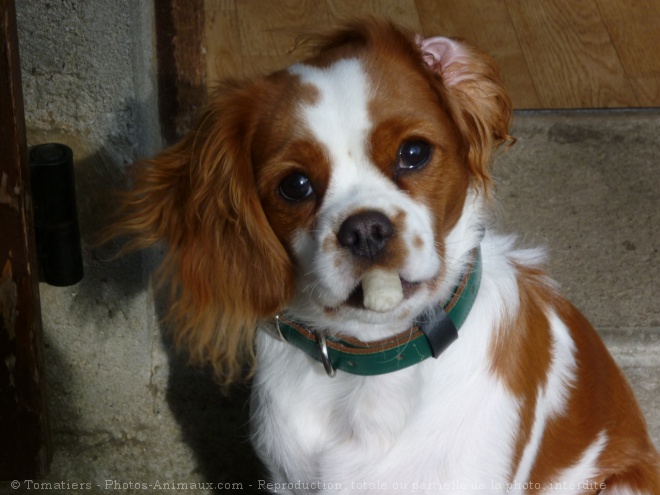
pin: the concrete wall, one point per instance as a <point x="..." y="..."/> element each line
<point x="124" y="407"/>
<point x="89" y="81"/>
<point x="89" y="72"/>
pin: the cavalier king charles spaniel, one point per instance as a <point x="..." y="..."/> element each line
<point x="327" y="227"/>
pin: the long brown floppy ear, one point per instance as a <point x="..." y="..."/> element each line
<point x="480" y="103"/>
<point x="224" y="265"/>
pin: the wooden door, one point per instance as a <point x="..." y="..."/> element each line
<point x="24" y="436"/>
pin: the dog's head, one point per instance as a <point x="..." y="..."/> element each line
<point x="295" y="186"/>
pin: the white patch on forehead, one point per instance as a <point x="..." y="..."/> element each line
<point x="339" y="119"/>
<point x="340" y="116"/>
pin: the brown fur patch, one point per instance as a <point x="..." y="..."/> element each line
<point x="224" y="264"/>
<point x="520" y="353"/>
<point x="601" y="399"/>
<point x="301" y="156"/>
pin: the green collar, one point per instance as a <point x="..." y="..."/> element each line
<point x="431" y="334"/>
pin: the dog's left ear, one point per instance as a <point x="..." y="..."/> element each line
<point x="225" y="266"/>
<point x="477" y="96"/>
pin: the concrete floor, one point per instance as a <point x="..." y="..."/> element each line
<point x="126" y="410"/>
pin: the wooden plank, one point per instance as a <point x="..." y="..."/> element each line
<point x="223" y="41"/>
<point x="25" y="448"/>
<point x="647" y="89"/>
<point x="634" y="27"/>
<point x="189" y="54"/>
<point x="221" y="5"/>
<point x="487" y="24"/>
<point x="403" y="12"/>
<point x="257" y="65"/>
<point x="570" y="55"/>
<point x="270" y="27"/>
<point x="270" y="30"/>
<point x="182" y="63"/>
<point x="553" y="54"/>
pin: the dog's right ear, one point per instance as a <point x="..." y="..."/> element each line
<point x="225" y="266"/>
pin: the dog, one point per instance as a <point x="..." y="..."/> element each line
<point x="329" y="227"/>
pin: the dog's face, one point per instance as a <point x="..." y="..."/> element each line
<point x="294" y="186"/>
<point x="368" y="171"/>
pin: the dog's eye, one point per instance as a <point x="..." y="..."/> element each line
<point x="296" y="187"/>
<point x="414" y="155"/>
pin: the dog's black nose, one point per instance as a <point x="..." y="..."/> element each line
<point x="365" y="234"/>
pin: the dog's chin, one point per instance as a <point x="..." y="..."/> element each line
<point x="416" y="297"/>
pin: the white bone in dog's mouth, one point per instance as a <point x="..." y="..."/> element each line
<point x="381" y="295"/>
<point x="381" y="290"/>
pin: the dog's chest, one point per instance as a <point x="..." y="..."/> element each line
<point x="431" y="423"/>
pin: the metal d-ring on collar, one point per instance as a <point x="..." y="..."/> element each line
<point x="278" y="335"/>
<point x="325" y="357"/>
<point x="321" y="341"/>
